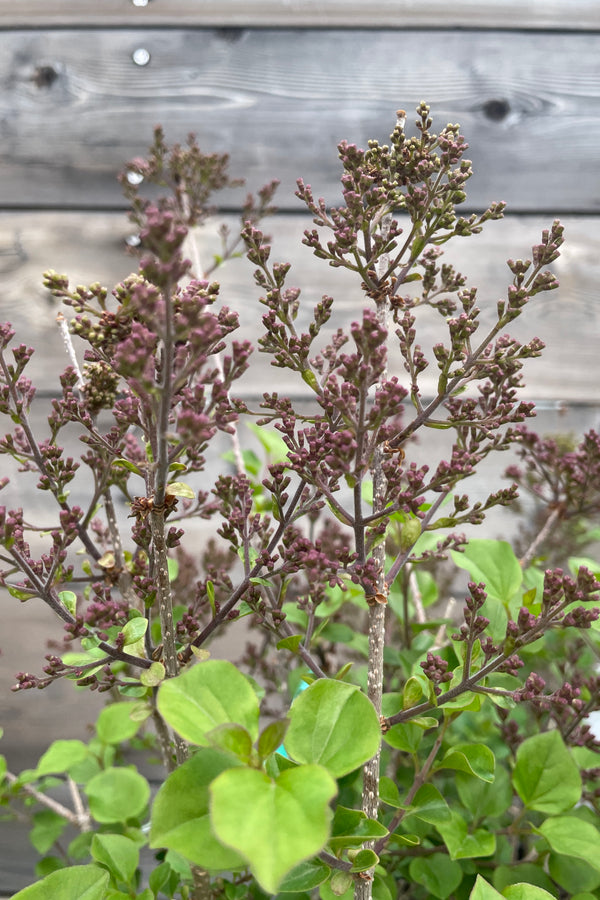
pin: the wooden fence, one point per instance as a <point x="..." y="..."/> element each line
<point x="277" y="84"/>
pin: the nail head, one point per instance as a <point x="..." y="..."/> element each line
<point x="141" y="56"/>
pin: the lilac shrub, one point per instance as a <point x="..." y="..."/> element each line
<point x="327" y="550"/>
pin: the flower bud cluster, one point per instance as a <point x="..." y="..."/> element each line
<point x="474" y="624"/>
<point x="436" y="670"/>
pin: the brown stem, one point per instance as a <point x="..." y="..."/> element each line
<point x="201" y="889"/>
<point x="242" y="587"/>
<point x="39" y="460"/>
<point x="165" y="610"/>
<point x="164" y="741"/>
<point x="548" y="526"/>
<point x="420" y="779"/>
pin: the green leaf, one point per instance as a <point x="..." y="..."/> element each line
<point x="388" y="792"/>
<point x="573" y="874"/>
<point x="232" y="738"/>
<point x="429" y="805"/>
<point x="118" y="853"/>
<point x="495" y="564"/>
<point x="352" y="827"/>
<point x="341" y="887"/>
<point x="272" y="737"/>
<point x="272" y="442"/>
<point x="334" y="724"/>
<point x="47" y="865"/>
<point x="69" y="601"/>
<point x="482" y="798"/>
<point x="210" y="594"/>
<point x="79" y="848"/>
<point x="72" y="883"/>
<point x="571" y="836"/>
<point x="134" y="630"/>
<point x="382" y="889"/>
<point x="83" y="659"/>
<point x="576" y="563"/>
<point x="153" y="676"/>
<point x="179" y="865"/>
<point x="18" y="593"/>
<point x="159" y="877"/>
<point x="464" y="845"/>
<point x="115" y="725"/>
<point x="408" y="735"/>
<point x="47" y="828"/>
<point x="545" y="776"/>
<point x="482" y="890"/>
<point x="60" y="756"/>
<point x="304" y="877"/>
<point x="405" y="840"/>
<point x="428" y="587"/>
<point x="180" y="814"/>
<point x="273" y="823"/>
<point x="290" y="643"/>
<point x="438" y="874"/>
<point x="475" y="759"/>
<point x="363" y="861"/>
<point x="210" y="694"/>
<point x="524" y="873"/>
<point x="180" y="489"/>
<point x="116" y="795"/>
<point x="414" y="690"/>
<point x="126" y="464"/>
<point x="173" y="569"/>
<point x="526" y="892"/>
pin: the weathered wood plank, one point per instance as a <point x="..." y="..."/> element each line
<point x="535" y="14"/>
<point x="74" y="106"/>
<point x="90" y="247"/>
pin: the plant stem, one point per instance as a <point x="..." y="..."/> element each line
<point x="164" y="738"/>
<point x="54" y="805"/>
<point x="547" y="527"/>
<point x="165" y="610"/>
<point x="370" y="793"/>
<point x="420" y="778"/>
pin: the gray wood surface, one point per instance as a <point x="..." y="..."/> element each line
<point x="91" y="247"/>
<point x="74" y="106"/>
<point x="534" y="14"/>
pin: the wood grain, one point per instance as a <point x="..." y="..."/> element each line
<point x="91" y="247"/>
<point x="534" y="14"/>
<point x="74" y="107"/>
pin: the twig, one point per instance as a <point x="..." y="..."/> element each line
<point x="54" y="805"/>
<point x="83" y="817"/>
<point x="548" y="526"/>
<point x="419" y="781"/>
<point x="420" y="616"/>
<point x="165" y="609"/>
<point x="68" y="342"/>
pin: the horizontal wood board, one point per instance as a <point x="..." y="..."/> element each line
<point x="74" y="107"/>
<point x="91" y="247"/>
<point x="535" y="14"/>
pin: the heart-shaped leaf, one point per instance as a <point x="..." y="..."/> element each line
<point x="273" y="823"/>
<point x="334" y="724"/>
